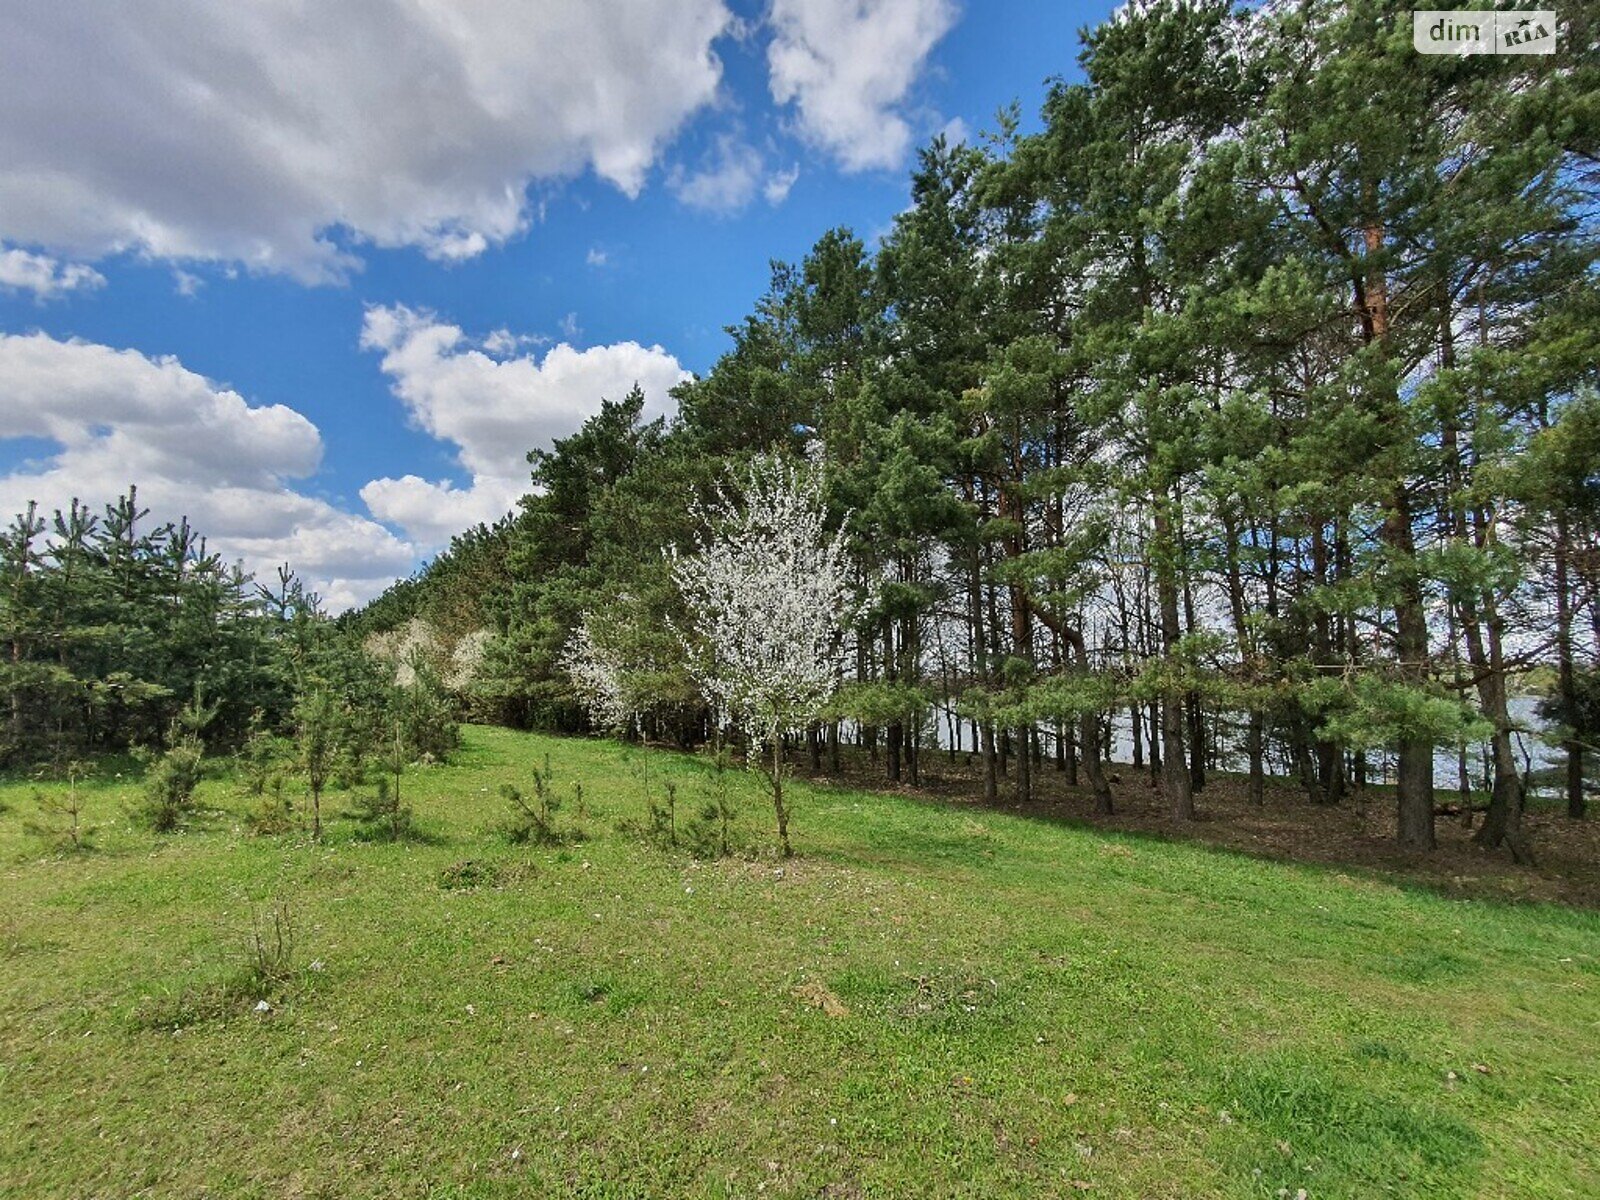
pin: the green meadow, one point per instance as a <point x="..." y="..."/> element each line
<point x="929" y="1000"/>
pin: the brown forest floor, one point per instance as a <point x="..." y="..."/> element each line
<point x="1357" y="833"/>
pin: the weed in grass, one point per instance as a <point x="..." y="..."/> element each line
<point x="267" y="970"/>
<point x="271" y="954"/>
<point x="1425" y="965"/>
<point x="1373" y="1051"/>
<point x="185" y="1008"/>
<point x="604" y="994"/>
<point x="466" y="875"/>
<point x="13" y="942"/>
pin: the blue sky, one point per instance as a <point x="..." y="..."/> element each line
<point x="321" y="286"/>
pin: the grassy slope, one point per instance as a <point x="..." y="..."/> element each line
<point x="1033" y="1010"/>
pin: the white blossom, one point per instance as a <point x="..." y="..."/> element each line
<point x="598" y="676"/>
<point x="769" y="598"/>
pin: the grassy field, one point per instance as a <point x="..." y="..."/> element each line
<point x="928" y="1002"/>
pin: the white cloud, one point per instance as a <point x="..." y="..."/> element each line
<point x="493" y="410"/>
<point x="776" y="188"/>
<point x="955" y="132"/>
<point x="725" y="182"/>
<point x="192" y="447"/>
<point x="730" y="175"/>
<point x="597" y="257"/>
<point x="847" y="66"/>
<point x="501" y="343"/>
<point x="245" y="131"/>
<point x="42" y="275"/>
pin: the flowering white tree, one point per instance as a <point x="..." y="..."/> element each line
<point x="769" y="599"/>
<point x="599" y="676"/>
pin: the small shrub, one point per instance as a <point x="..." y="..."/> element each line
<point x="382" y="816"/>
<point x="171" y="777"/>
<point x="659" y="827"/>
<point x="535" y="820"/>
<point x="262" y="756"/>
<point x="350" y="768"/>
<point x="316" y="746"/>
<point x="528" y="821"/>
<point x="169" y="786"/>
<point x="720" y="811"/>
<point x="424" y="712"/>
<point x="60" y="823"/>
<point x="671" y="812"/>
<point x="704" y="837"/>
<point x="274" y="814"/>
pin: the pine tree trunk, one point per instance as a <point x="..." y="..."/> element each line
<point x="991" y="764"/>
<point x="1089" y="730"/>
<point x="1414" y="774"/>
<point x="1253" y="740"/>
<point x="1175" y="781"/>
<point x="1503" y="822"/>
<point x="1565" y="683"/>
<point x="1194" y="718"/>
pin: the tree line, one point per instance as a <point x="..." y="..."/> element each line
<point x="119" y="634"/>
<point x="1242" y="415"/>
<point x="1246" y="406"/>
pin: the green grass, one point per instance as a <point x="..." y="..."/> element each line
<point x="1031" y="1010"/>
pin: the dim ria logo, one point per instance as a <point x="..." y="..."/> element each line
<point x="1466" y="31"/>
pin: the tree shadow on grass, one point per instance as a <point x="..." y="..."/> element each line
<point x="1354" y="837"/>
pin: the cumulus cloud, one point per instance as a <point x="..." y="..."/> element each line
<point x="247" y="131"/>
<point x="847" y="66"/>
<point x="118" y="417"/>
<point x="725" y="182"/>
<point x="776" y="188"/>
<point x="955" y="132"/>
<point x="493" y="405"/>
<point x="729" y="176"/>
<point x="45" y="277"/>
